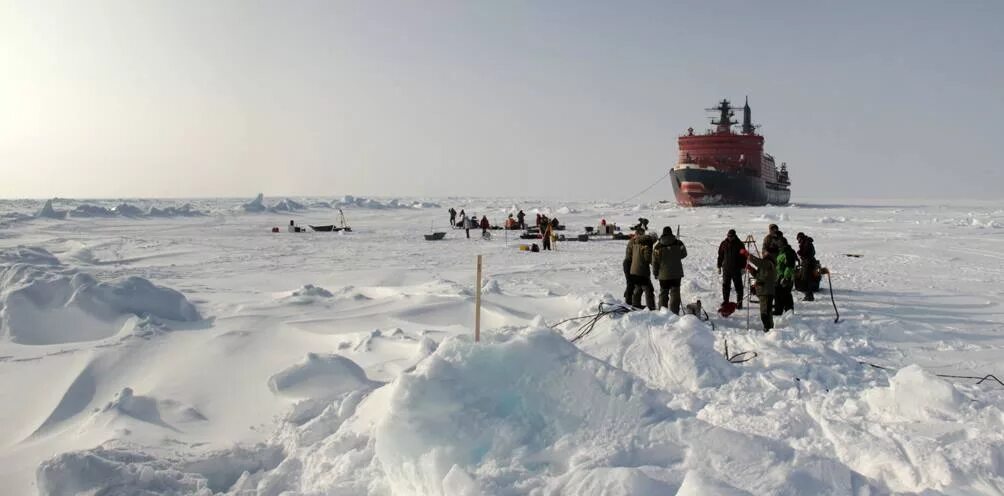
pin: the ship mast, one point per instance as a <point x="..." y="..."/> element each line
<point x="725" y="115"/>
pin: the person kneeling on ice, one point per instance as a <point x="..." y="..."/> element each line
<point x="640" y="256"/>
<point x="765" y="273"/>
<point x="510" y="223"/>
<point x="667" y="265"/>
<point x="731" y="261"/>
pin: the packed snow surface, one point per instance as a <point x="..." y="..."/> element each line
<point x="181" y="347"/>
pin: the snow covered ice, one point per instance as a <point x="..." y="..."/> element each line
<point x="162" y="347"/>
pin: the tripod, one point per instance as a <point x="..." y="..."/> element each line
<point x="746" y="281"/>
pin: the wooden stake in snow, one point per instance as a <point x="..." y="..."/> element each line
<point x="477" y="306"/>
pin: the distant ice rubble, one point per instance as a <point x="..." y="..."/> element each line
<point x="45" y="302"/>
<point x="121" y="210"/>
<point x="257" y="205"/>
<point x="47" y="211"/>
<point x="832" y="220"/>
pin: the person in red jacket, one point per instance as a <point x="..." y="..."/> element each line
<point x="485" y="226"/>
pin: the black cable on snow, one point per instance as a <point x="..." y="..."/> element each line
<point x="586" y="328"/>
<point x="741" y="357"/>
<point x="978" y="379"/>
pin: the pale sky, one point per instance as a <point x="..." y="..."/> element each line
<point x="565" y="99"/>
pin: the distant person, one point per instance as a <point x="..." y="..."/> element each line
<point x="467" y="224"/>
<point x="453" y="217"/>
<point x="806" y="280"/>
<point x="521" y="218"/>
<point x="545" y="234"/>
<point x="538" y="221"/>
<point x="555" y="224"/>
<point x="292" y="226"/>
<point x="667" y="265"/>
<point x="463" y="218"/>
<point x="510" y="222"/>
<point x="765" y="273"/>
<point x="770" y="240"/>
<point x="786" y="258"/>
<point x="731" y="262"/>
<point x="485" y="226"/>
<point x="642" y="224"/>
<point x="641" y="264"/>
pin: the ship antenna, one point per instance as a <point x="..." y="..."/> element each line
<point x="748" y="118"/>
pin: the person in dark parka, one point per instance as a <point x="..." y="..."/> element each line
<point x="731" y="262"/>
<point x="807" y="281"/>
<point x="521" y="218"/>
<point x="667" y="265"/>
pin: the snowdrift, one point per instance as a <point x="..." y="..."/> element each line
<point x="44" y="302"/>
<point x="670" y="353"/>
<point x="305" y="295"/>
<point x="528" y="414"/>
<point x="319" y="376"/>
<point x="127" y="409"/>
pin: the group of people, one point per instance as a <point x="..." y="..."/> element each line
<point x="646" y="256"/>
<point x="466" y="223"/>
<point x="545" y="225"/>
<point x="777" y="270"/>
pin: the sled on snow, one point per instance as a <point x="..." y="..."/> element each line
<point x="330" y="228"/>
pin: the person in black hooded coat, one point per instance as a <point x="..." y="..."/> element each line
<point x="808" y="279"/>
<point x="731" y="262"/>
